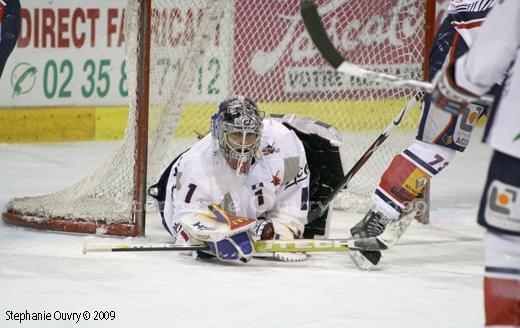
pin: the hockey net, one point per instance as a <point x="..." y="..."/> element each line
<point x="204" y="51"/>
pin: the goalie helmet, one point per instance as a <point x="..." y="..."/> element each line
<point x="237" y="130"/>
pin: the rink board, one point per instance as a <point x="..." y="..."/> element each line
<point x="30" y="125"/>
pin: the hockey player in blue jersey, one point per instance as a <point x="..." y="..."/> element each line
<point x="9" y="29"/>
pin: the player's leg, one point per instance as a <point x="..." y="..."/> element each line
<point x="500" y="213"/>
<point x="439" y="137"/>
<point x="390" y="197"/>
<point x="9" y="31"/>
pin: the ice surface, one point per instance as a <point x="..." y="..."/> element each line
<point x="433" y="278"/>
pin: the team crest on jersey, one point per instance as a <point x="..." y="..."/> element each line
<point x="277" y="179"/>
<point x="270" y="149"/>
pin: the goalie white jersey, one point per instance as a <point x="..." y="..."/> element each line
<point x="495" y="54"/>
<point x="277" y="185"/>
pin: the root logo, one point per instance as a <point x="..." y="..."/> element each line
<point x="503" y="198"/>
<point x="23" y="79"/>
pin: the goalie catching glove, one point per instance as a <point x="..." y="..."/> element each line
<point x="227" y="235"/>
<point x="230" y="238"/>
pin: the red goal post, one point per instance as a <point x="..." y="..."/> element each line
<point x="194" y="53"/>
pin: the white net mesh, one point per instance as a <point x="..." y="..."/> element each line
<point x="204" y="51"/>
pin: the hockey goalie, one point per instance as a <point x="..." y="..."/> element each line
<point x="252" y="178"/>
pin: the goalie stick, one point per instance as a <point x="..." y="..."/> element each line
<point x="314" y="26"/>
<point x="319" y="37"/>
<point x="261" y="246"/>
<point x="318" y="211"/>
<point x="318" y="34"/>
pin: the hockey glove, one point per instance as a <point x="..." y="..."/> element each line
<point x="283" y="227"/>
<point x="263" y="230"/>
<point x="449" y="97"/>
<point x="236" y="247"/>
<point x="226" y="235"/>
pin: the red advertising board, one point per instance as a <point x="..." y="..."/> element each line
<point x="274" y="53"/>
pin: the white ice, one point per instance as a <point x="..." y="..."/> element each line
<point x="433" y="278"/>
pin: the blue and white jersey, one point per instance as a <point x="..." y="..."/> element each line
<point x="468" y="15"/>
<point x="494" y="56"/>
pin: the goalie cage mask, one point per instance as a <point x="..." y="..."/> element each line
<point x="237" y="129"/>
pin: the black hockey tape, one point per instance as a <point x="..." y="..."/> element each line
<point x="314" y="25"/>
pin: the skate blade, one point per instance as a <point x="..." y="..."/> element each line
<point x="361" y="262"/>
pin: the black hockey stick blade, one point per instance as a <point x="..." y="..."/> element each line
<point x="314" y="26"/>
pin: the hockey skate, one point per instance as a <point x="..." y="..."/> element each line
<point x="372" y="225"/>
